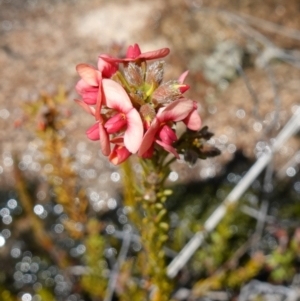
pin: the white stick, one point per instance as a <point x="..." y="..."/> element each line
<point x="291" y="127"/>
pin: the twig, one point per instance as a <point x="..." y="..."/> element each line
<point x="265" y="203"/>
<point x="277" y="100"/>
<point x="291" y="127"/>
<point x="271" y="51"/>
<point x="251" y="91"/>
<point x="291" y="163"/>
<point x="114" y="275"/>
<point x="256" y="288"/>
<point x="272" y="27"/>
<point x="256" y="214"/>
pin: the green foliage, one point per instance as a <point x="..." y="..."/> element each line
<point x="6" y="295"/>
<point x="94" y="280"/>
<point x="281" y="264"/>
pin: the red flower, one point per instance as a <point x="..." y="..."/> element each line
<point x="127" y="118"/>
<point x="134" y="54"/>
<point x="89" y="85"/>
<point x="160" y="130"/>
<point x="107" y="69"/>
<point x="119" y="153"/>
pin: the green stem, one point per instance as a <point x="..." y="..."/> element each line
<point x="147" y="196"/>
<point x="155" y="228"/>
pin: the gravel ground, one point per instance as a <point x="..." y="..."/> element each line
<point x="41" y="42"/>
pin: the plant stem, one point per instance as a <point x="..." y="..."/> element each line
<point x="146" y="195"/>
<point x="154" y="232"/>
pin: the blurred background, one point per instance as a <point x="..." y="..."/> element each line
<point x="243" y="60"/>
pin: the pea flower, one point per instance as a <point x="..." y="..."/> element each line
<point x="127" y="116"/>
<point x="135" y="112"/>
<point x="161" y="130"/>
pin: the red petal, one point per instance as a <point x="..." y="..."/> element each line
<point x="169" y="148"/>
<point x="112" y="60"/>
<point x="107" y="68"/>
<point x="93" y="132"/>
<point x="156" y="54"/>
<point x="99" y="99"/>
<point x="119" y="154"/>
<point x="133" y="51"/>
<point x="104" y="141"/>
<point x="167" y="135"/>
<point x="115" y="123"/>
<point x="150" y="55"/>
<point x="149" y="137"/>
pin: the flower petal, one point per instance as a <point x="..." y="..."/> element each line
<point x="134" y="133"/>
<point x="99" y="101"/>
<point x="116" y="123"/>
<point x="176" y="111"/>
<point x="149" y="137"/>
<point x="104" y="140"/>
<point x="93" y="132"/>
<point x="156" y="54"/>
<point x="183" y="76"/>
<point x="193" y="121"/>
<point x="87" y="108"/>
<point x="89" y="93"/>
<point x="106" y="68"/>
<point x="167" y="135"/>
<point x="133" y="51"/>
<point x="119" y="154"/>
<point x="88" y="74"/>
<point x="83" y="87"/>
<point x="132" y="56"/>
<point x="169" y="148"/>
<point x="115" y="96"/>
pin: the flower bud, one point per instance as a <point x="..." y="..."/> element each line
<point x="147" y="113"/>
<point x="167" y="135"/>
<point x="93" y="132"/>
<point x="119" y="154"/>
<point x="168" y="92"/>
<point x="116" y="123"/>
<point x="134" y="74"/>
<point x="155" y="73"/>
<point x="133" y="51"/>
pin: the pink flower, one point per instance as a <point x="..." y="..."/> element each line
<point x="89" y="85"/>
<point x="134" y="54"/>
<point x="119" y="153"/>
<point x="106" y="68"/>
<point x="127" y="117"/>
<point x="92" y="79"/>
<point x="93" y="132"/>
<point x="170" y="91"/>
<point x="160" y="130"/>
<point x="183" y="87"/>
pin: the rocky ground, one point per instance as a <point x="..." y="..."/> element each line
<point x="245" y="91"/>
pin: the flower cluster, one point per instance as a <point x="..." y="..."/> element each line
<point x="134" y="111"/>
